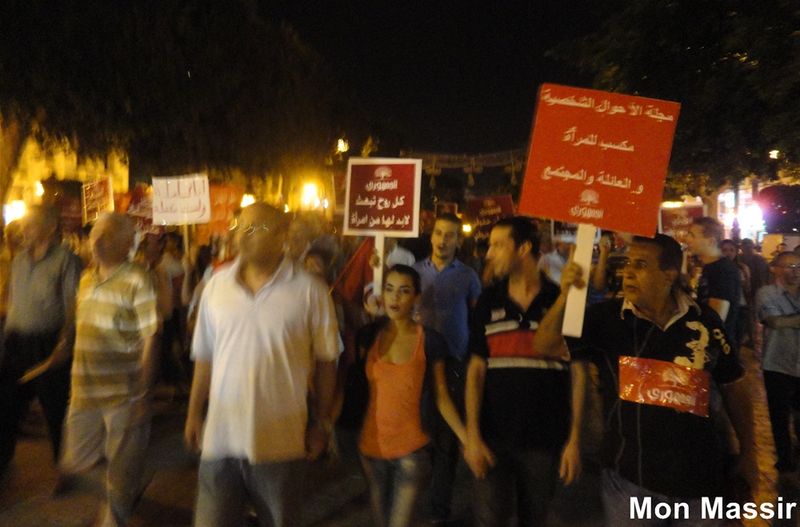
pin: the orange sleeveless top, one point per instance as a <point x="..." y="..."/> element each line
<point x="392" y="426"/>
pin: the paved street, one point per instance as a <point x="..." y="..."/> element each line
<point x="336" y="492"/>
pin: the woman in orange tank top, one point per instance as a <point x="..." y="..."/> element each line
<point x="404" y="366"/>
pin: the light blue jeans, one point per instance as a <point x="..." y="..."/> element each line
<point x="395" y="485"/>
<point x="224" y="485"/>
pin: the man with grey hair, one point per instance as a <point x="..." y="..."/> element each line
<point x="113" y="369"/>
<point x="40" y="324"/>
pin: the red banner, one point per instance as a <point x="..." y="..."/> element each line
<point x="382" y="197"/>
<point x="661" y="383"/>
<point x="598" y="158"/>
<point x="484" y="213"/>
<point x="224" y="200"/>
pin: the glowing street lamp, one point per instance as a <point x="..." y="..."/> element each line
<point x="14" y="211"/>
<point x="773" y="154"/>
<point x="310" y="196"/>
<point x="342" y="145"/>
<point x="247" y="200"/>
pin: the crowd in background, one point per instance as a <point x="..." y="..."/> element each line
<point x="281" y="339"/>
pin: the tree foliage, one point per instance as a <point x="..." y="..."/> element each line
<point x="180" y="85"/>
<point x="733" y="65"/>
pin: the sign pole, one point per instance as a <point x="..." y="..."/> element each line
<point x="185" y="229"/>
<point x="576" y="298"/>
<point x="380" y="242"/>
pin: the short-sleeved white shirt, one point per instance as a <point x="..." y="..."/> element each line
<point x="262" y="348"/>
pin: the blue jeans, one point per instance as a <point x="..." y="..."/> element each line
<point x="274" y="489"/>
<point x="395" y="485"/>
<point x="617" y="493"/>
<point x="530" y="475"/>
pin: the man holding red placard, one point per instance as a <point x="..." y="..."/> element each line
<point x="659" y="355"/>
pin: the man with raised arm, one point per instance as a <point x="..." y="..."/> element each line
<point x="660" y="355"/>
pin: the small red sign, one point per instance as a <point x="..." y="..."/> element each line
<point x="598" y="158"/>
<point x="383" y="197"/>
<point x="661" y="383"/>
<point x="485" y="212"/>
<point x="676" y="221"/>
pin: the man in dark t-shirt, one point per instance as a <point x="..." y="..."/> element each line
<point x="659" y="356"/>
<point x="720" y="286"/>
<point x="517" y="395"/>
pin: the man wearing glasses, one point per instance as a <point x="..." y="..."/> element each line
<point x="659" y="355"/>
<point x="265" y="331"/>
<point x="778" y="308"/>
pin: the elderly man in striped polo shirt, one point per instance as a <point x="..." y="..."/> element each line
<point x="113" y="369"/>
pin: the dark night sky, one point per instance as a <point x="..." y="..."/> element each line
<point x="443" y="76"/>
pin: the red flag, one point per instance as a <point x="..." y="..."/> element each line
<point x="357" y="273"/>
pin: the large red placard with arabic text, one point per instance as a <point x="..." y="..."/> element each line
<point x="383" y="197"/>
<point x="598" y="158"/>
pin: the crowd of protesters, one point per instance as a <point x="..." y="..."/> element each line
<point x="282" y="341"/>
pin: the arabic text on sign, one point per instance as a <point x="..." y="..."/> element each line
<point x="589" y="103"/>
<point x="570" y="136"/>
<point x="601" y="178"/>
<point x="179" y="188"/>
<point x="377" y="186"/>
<point x="386" y="221"/>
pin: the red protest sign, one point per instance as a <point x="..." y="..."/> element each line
<point x="675" y="221"/>
<point x="484" y="212"/>
<point x="383" y="197"/>
<point x="598" y="158"/>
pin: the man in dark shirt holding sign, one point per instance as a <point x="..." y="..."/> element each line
<point x="518" y="396"/>
<point x="660" y="355"/>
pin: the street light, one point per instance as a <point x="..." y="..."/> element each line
<point x="247" y="200"/>
<point x="14" y="211"/>
<point x="342" y="145"/>
<point x="773" y="154"/>
<point x="310" y="196"/>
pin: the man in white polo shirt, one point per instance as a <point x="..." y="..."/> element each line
<point x="265" y="331"/>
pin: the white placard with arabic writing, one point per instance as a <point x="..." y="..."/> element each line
<point x="181" y="200"/>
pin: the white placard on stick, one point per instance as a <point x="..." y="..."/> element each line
<point x="181" y="200"/>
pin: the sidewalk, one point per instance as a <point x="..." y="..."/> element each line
<point x="338" y="496"/>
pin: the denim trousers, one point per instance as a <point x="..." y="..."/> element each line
<point x="530" y="476"/>
<point x="225" y="485"/>
<point x="395" y="486"/>
<point x="618" y="491"/>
